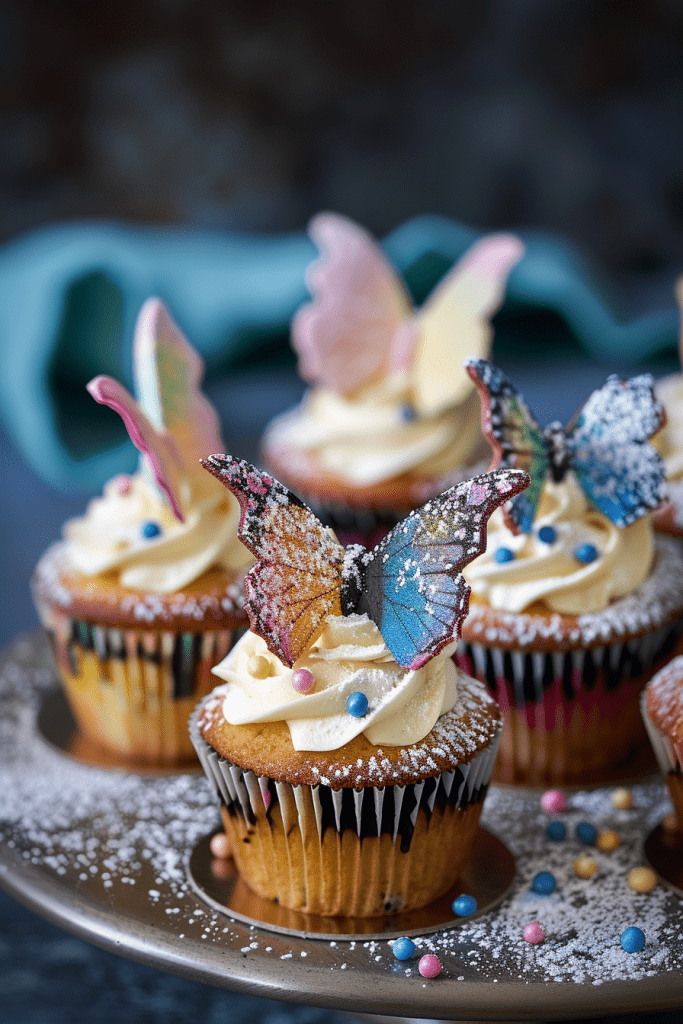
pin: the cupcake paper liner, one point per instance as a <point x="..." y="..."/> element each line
<point x="570" y="714"/>
<point x="357" y="852"/>
<point x="669" y="758"/>
<point x="132" y="690"/>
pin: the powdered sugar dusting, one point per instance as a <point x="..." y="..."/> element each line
<point x="121" y="841"/>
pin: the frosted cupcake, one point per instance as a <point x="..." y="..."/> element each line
<point x="669" y="441"/>
<point x="662" y="707"/>
<point x="350" y="755"/>
<point x="391" y="418"/>
<point x="144" y="594"/>
<point x="575" y="602"/>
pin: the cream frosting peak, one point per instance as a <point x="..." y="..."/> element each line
<point x="377" y="435"/>
<point x="110" y="538"/>
<point x="349" y="656"/>
<point x="549" y="574"/>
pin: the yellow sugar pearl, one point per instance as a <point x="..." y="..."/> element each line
<point x="670" y="822"/>
<point x="258" y="667"/>
<point x="607" y="840"/>
<point x="622" y="798"/>
<point x="585" y="866"/>
<point x="642" y="879"/>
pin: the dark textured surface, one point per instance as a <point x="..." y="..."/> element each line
<point x="49" y="977"/>
<point x="254" y="115"/>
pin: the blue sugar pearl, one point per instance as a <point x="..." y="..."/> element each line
<point x="502" y="555"/>
<point x="150" y="529"/>
<point x="547" y="534"/>
<point x="586" y="553"/>
<point x="357" y="704"/>
<point x="632" y="940"/>
<point x="408" y="413"/>
<point x="464" y="905"/>
<point x="544" y="883"/>
<point x="556" y="831"/>
<point x="586" y="833"/>
<point x="403" y="949"/>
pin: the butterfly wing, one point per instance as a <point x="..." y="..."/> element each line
<point x="456" y="321"/>
<point x="620" y="472"/>
<point x="414" y="589"/>
<point x="343" y="336"/>
<point x="296" y="581"/>
<point x="168" y="373"/>
<point x="515" y="437"/>
<point x="157" y="446"/>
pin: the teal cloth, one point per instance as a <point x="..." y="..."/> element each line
<point x="69" y="296"/>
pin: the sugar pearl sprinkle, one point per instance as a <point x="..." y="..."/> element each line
<point x="220" y="846"/>
<point x="403" y="949"/>
<point x="145" y="827"/>
<point x="632" y="939"/>
<point x="607" y="840"/>
<point x="586" y="832"/>
<point x="430" y="966"/>
<point x="585" y="866"/>
<point x="357" y="704"/>
<point x="622" y="799"/>
<point x="533" y="933"/>
<point x="503" y="555"/>
<point x="464" y="905"/>
<point x="642" y="879"/>
<point x="554" y="801"/>
<point x="303" y="680"/>
<point x="556" y="831"/>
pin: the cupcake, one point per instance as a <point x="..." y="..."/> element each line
<point x="391" y="417"/>
<point x="575" y="602"/>
<point x="350" y="755"/>
<point x="662" y="707"/>
<point x="144" y="594"/>
<point x="669" y="442"/>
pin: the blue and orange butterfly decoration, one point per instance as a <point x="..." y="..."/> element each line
<point x="606" y="445"/>
<point x="410" y="585"/>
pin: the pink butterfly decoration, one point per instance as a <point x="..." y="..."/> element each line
<point x="173" y="425"/>
<point x="360" y="324"/>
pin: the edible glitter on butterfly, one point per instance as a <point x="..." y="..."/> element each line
<point x="606" y="445"/>
<point x="410" y="585"/>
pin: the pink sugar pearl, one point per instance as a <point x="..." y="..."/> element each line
<point x="220" y="846"/>
<point x="554" y="801"/>
<point x="429" y="966"/>
<point x="124" y="485"/>
<point x="303" y="680"/>
<point x="533" y="933"/>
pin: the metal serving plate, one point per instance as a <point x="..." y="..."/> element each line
<point x="103" y="852"/>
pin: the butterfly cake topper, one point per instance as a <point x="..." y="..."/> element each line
<point x="410" y="585"/>
<point x="360" y="325"/>
<point x="606" y="445"/>
<point x="173" y="425"/>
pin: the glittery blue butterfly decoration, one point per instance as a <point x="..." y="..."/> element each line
<point x="606" y="445"/>
<point x="410" y="585"/>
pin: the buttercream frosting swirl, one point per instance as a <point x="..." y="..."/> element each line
<point x="669" y="440"/>
<point x="110" y="538"/>
<point x="349" y="656"/>
<point x="549" y="575"/>
<point x="378" y="434"/>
